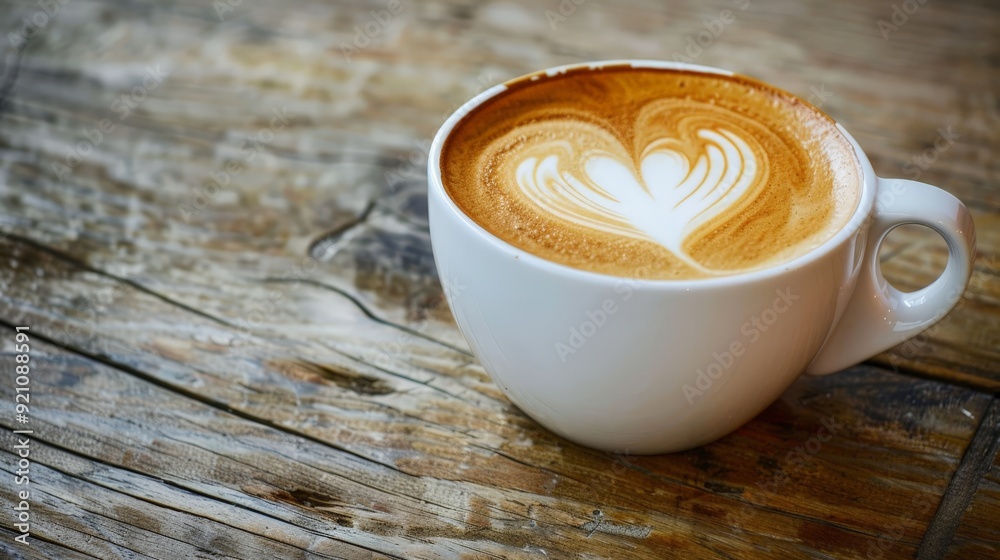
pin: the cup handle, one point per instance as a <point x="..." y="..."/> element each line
<point x="878" y="316"/>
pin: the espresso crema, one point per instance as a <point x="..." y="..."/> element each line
<point x="656" y="173"/>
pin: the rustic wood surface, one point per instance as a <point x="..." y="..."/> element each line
<point x="266" y="368"/>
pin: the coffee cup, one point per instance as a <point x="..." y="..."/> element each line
<point x="646" y="336"/>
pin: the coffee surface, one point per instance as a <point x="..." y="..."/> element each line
<point x="652" y="173"/>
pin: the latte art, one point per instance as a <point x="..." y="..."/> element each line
<point x="662" y="200"/>
<point x="682" y="174"/>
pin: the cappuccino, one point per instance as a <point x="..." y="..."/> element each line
<point x="675" y="173"/>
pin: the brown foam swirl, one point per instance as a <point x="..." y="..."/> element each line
<point x="661" y="173"/>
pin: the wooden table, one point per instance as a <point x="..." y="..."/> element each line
<point x="212" y="219"/>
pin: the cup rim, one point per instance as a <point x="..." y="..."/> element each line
<point x="857" y="220"/>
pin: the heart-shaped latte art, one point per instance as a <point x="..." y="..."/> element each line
<point x="663" y="200"/>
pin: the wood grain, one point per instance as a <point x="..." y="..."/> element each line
<point x="242" y="344"/>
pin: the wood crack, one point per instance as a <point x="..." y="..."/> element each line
<point x="65" y="257"/>
<point x="397" y="374"/>
<point x="324" y="242"/>
<point x="368" y="312"/>
<point x="526" y="464"/>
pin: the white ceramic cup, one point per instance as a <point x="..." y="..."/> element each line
<point x="653" y="366"/>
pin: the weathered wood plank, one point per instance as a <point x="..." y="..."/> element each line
<point x="721" y="497"/>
